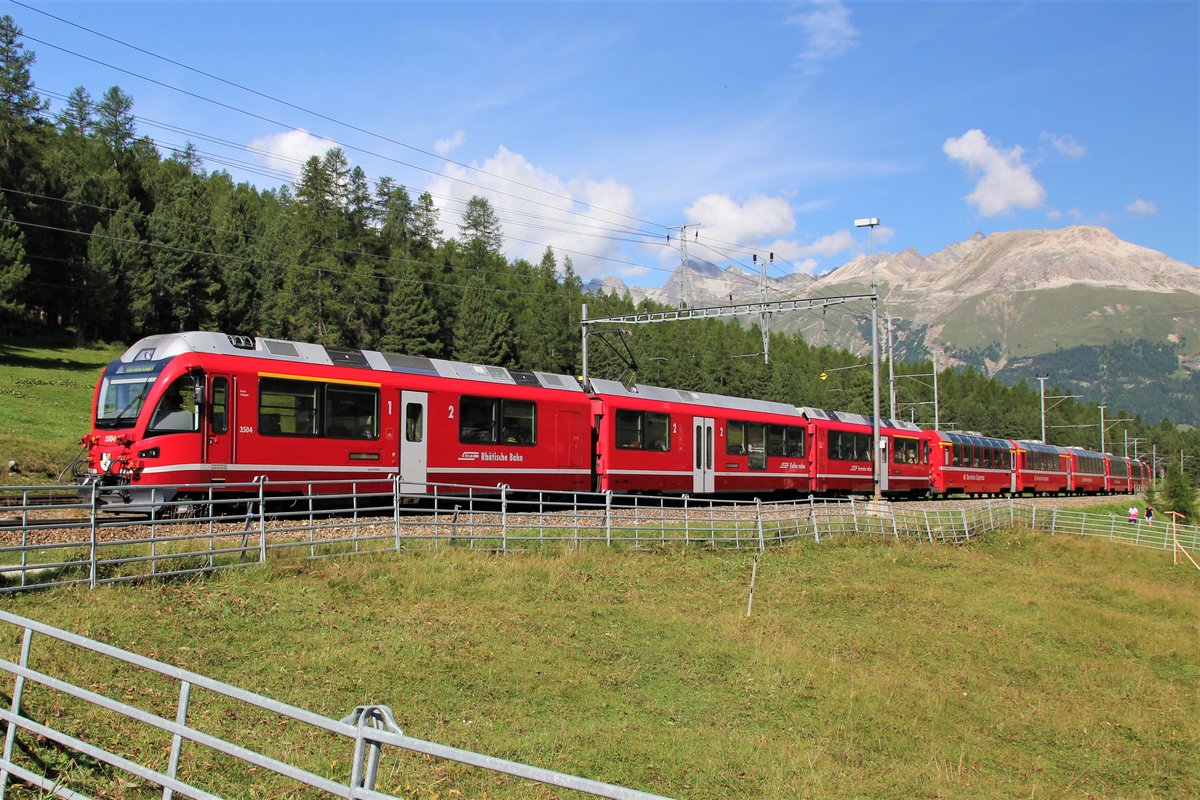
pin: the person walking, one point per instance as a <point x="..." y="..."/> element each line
<point x="1149" y="515"/>
<point x="1133" y="514"/>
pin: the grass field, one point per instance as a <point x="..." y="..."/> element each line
<point x="45" y="405"/>
<point x="1021" y="666"/>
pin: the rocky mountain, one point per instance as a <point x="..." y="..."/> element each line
<point x="1014" y="304"/>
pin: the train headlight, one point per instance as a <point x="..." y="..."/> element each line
<point x="151" y="453"/>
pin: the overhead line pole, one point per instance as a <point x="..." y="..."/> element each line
<point x="708" y="312"/>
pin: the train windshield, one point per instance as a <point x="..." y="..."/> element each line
<point x="123" y="391"/>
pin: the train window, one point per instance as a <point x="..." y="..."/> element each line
<point x="414" y="427"/>
<point x="478" y="418"/>
<point x="219" y="407"/>
<point x="629" y="429"/>
<point x="795" y="442"/>
<point x="351" y="412"/>
<point x="847" y="446"/>
<point x="287" y="408"/>
<point x="658" y="432"/>
<point x="176" y="411"/>
<point x="643" y="430"/>
<point x="756" y="445"/>
<point x="776" y="440"/>
<point x="735" y="439"/>
<point x="905" y="450"/>
<point x="490" y="420"/>
<point x="518" y="422"/>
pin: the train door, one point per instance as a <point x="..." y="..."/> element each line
<point x="414" y="442"/>
<point x="703" y="471"/>
<point x="218" y="424"/>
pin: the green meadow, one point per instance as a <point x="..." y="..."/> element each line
<point x="1019" y="666"/>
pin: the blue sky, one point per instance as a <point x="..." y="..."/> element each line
<point x="593" y="127"/>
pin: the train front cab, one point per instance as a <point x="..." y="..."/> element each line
<point x="152" y="423"/>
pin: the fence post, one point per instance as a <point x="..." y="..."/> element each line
<point x="608" y="518"/>
<point x="504" y="517"/>
<point x="812" y="510"/>
<point x="262" y="519"/>
<point x="853" y="514"/>
<point x="396" y="508"/>
<point x="212" y="519"/>
<point x="687" y="533"/>
<point x="966" y="526"/>
<point x="928" y="526"/>
<point x="18" y="690"/>
<point x="185" y="692"/>
<point x="762" y="543"/>
<point x="153" y="530"/>
<point x="92" y="549"/>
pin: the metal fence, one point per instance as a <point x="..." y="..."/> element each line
<point x="49" y="536"/>
<point x="184" y="718"/>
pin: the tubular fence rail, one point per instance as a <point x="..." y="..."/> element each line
<point x="53" y="536"/>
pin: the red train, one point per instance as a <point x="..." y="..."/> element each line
<point x="211" y="408"/>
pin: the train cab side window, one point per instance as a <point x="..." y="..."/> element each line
<point x="351" y="412"/>
<point x="219" y="407"/>
<point x="287" y="408"/>
<point x="176" y="410"/>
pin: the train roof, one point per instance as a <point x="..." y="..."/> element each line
<point x="971" y="437"/>
<point x="157" y="348"/>
<point x="859" y="419"/>
<point x="1035" y="446"/>
<point x="617" y="389"/>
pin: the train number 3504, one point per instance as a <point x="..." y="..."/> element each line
<point x="245" y="429"/>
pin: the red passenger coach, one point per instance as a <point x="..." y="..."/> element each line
<point x="206" y="407"/>
<point x="654" y="439"/>
<point x="1042" y="468"/>
<point x="969" y="463"/>
<point x="840" y="454"/>
<point x="1088" y="471"/>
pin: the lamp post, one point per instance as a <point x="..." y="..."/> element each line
<point x="880" y="477"/>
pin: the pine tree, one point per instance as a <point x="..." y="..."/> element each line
<point x="115" y="120"/>
<point x="482" y="333"/>
<point x="1178" y="493"/>
<point x="13" y="271"/>
<point x="480" y="224"/>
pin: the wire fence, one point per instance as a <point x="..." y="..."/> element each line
<point x="51" y="536"/>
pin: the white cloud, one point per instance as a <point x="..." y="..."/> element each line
<point x="831" y="245"/>
<point x="1005" y="181"/>
<point x="578" y="217"/>
<point x="446" y="146"/>
<point x="1066" y="145"/>
<point x="722" y="219"/>
<point x="1142" y="208"/>
<point x="289" y="150"/>
<point x="828" y="33"/>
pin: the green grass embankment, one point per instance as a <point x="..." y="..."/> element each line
<point x="45" y="405"/>
<point x="1021" y="666"/>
